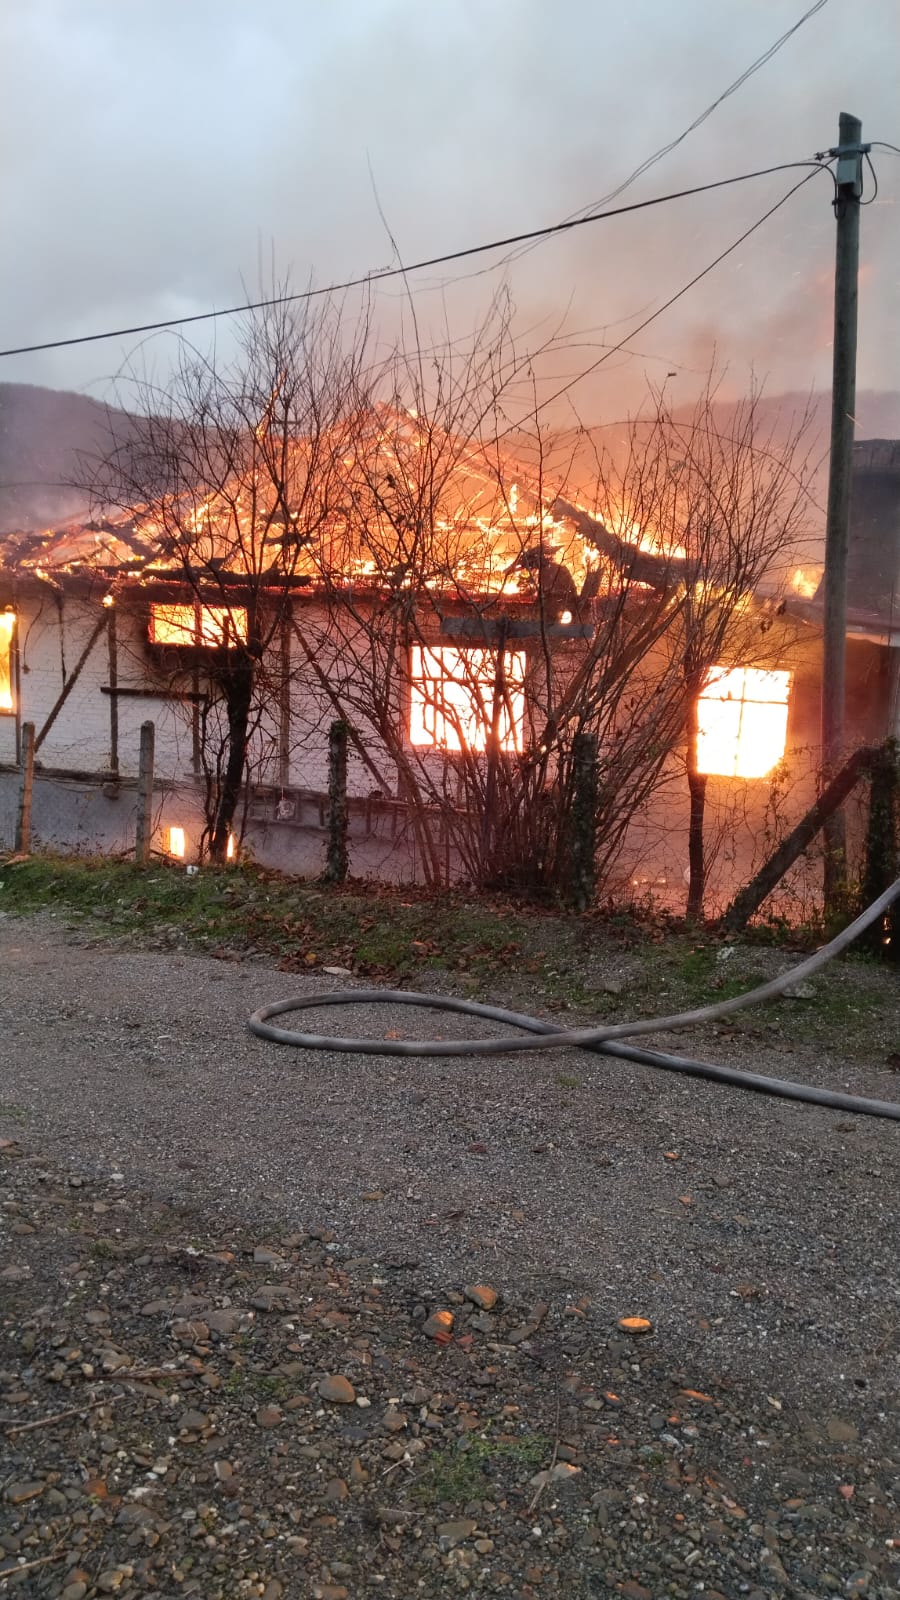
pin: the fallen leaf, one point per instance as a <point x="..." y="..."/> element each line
<point x="635" y="1325"/>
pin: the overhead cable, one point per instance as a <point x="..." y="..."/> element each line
<point x="402" y="271"/>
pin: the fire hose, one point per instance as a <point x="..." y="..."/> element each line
<point x="536" y="1034"/>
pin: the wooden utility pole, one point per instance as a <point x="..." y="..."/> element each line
<point x="848" y="178"/>
<point x="23" y="818"/>
<point x="144" y="829"/>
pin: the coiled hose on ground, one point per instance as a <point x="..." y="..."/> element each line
<point x="540" y="1035"/>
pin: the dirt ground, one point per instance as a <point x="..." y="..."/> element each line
<point x="297" y="1218"/>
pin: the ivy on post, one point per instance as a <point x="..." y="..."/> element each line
<point x="337" y="859"/>
<point x="583" y="826"/>
<point x="144" y="821"/>
<point x="883" y="847"/>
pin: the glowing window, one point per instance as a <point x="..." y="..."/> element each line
<point x="176" y="841"/>
<point x="743" y="721"/>
<point x="7" y="628"/>
<point x="452" y="699"/>
<point x="208" y="626"/>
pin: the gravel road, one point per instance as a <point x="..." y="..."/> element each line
<point x="172" y="1184"/>
<point x="776" y="1225"/>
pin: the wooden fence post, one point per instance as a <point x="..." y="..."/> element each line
<point x="337" y="859"/>
<point x="583" y="828"/>
<point x="144" y="828"/>
<point x="23" y="817"/>
<point x="750" y="898"/>
<point x="883" y="848"/>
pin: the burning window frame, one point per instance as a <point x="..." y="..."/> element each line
<point x="201" y="627"/>
<point x="750" y="720"/>
<point x="440" y="723"/>
<point x="7" y="673"/>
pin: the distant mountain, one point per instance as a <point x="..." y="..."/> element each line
<point x="877" y="412"/>
<point x="48" y="437"/>
<point x="777" y="415"/>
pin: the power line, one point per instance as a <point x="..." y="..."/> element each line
<point x="679" y="293"/>
<point x="666" y="149"/>
<point x="882" y="144"/>
<point x="401" y="271"/>
<point x="726" y="94"/>
<point x="874" y="195"/>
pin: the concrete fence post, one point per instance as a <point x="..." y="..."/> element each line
<point x="23" y="816"/>
<point x="144" y="829"/>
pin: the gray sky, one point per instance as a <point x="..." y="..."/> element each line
<point x="157" y="151"/>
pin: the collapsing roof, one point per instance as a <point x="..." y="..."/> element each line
<point x="488" y="530"/>
<point x="398" y="503"/>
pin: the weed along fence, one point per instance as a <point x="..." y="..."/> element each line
<point x="107" y="813"/>
<point x="334" y="834"/>
<point x="141" y="815"/>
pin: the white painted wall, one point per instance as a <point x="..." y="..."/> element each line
<point x="52" y="633"/>
<point x="51" y="638"/>
<point x="69" y="814"/>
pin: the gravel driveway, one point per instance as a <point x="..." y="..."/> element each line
<point x="776" y="1225"/>
<point x="225" y="1370"/>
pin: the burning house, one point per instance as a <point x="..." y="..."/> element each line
<point x="467" y="619"/>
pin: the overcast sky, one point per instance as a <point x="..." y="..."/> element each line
<point x="158" y="151"/>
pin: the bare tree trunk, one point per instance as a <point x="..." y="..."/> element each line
<point x="584" y="820"/>
<point x="697" y="791"/>
<point x="489" y="819"/>
<point x="238" y="701"/>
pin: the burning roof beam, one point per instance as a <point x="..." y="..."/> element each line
<point x="659" y="571"/>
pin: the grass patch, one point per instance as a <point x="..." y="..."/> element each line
<point x="372" y="928"/>
<point x="455" y="1477"/>
<point x="375" y="931"/>
<point x="105" y="1250"/>
<point x="538" y="958"/>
